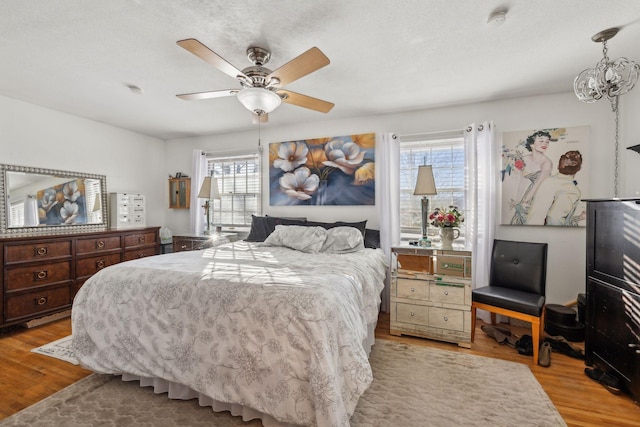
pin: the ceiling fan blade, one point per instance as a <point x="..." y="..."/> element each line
<point x="298" y="67"/>
<point x="207" y="95"/>
<point x="305" y="101"/>
<point x="206" y="54"/>
<point x="260" y="119"/>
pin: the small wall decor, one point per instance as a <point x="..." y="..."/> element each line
<point x="336" y="170"/>
<point x="544" y="175"/>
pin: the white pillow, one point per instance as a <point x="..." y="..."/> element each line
<point x="343" y="240"/>
<point x="298" y="237"/>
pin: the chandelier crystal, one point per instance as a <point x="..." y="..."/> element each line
<point x="608" y="79"/>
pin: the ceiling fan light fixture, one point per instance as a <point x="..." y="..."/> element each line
<point x="259" y="100"/>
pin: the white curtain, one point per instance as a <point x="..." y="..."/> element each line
<point x="481" y="195"/>
<point x="199" y="168"/>
<point x="30" y="211"/>
<point x="388" y="200"/>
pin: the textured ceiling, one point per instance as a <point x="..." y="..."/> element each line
<point x="79" y="56"/>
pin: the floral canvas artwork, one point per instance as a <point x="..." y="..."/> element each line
<point x="544" y="176"/>
<point x="62" y="204"/>
<point x="337" y="170"/>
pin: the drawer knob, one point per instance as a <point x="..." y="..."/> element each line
<point x="42" y="274"/>
<point x="413" y="289"/>
<point x="412" y="314"/>
<point x="41" y="251"/>
<point x="141" y="239"/>
<point x="40" y="301"/>
<point x="100" y="264"/>
<point x="100" y="244"/>
<point x="141" y="255"/>
<point x="446" y="292"/>
<point x="183" y="247"/>
<point x="446" y="318"/>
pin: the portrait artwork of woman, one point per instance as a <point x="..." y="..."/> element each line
<point x="534" y="168"/>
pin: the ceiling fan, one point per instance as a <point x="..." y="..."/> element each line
<point x="261" y="89"/>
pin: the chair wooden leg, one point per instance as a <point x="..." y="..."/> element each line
<point x="473" y="322"/>
<point x="493" y="318"/>
<point x="535" y="337"/>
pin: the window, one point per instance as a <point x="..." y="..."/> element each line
<point x="240" y="186"/>
<point x="17" y="214"/>
<point x="445" y="153"/>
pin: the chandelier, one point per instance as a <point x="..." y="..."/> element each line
<point x="608" y="79"/>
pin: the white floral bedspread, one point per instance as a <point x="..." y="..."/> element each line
<point x="271" y="328"/>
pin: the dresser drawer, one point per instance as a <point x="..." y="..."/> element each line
<point x="37" y="275"/>
<point x="180" y="245"/>
<point x="89" y="266"/>
<point x="446" y="319"/>
<point x="37" y="251"/>
<point x="409" y="313"/>
<point x="139" y="239"/>
<point x="412" y="288"/>
<point x="98" y="244"/>
<point x="448" y="294"/>
<point x="36" y="302"/>
<point x="139" y="253"/>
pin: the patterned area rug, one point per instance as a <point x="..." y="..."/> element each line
<point x="413" y="386"/>
<point x="60" y="349"/>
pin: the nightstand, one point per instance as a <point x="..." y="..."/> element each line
<point x="431" y="294"/>
<point x="194" y="242"/>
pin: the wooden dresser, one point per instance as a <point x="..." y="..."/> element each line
<point x="41" y="274"/>
<point x="431" y="294"/>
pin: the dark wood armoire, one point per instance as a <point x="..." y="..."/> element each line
<point x="612" y="340"/>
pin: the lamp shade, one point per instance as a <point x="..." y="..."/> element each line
<point x="259" y="100"/>
<point x="209" y="189"/>
<point x="425" y="184"/>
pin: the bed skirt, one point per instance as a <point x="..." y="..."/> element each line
<point x="182" y="392"/>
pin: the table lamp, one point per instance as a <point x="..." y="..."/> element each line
<point x="425" y="186"/>
<point x="209" y="191"/>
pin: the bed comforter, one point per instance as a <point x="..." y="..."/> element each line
<point x="270" y="328"/>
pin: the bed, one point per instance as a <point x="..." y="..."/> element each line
<point x="278" y="330"/>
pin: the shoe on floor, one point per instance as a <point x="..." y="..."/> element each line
<point x="609" y="382"/>
<point x="544" y="355"/>
<point x="525" y="345"/>
<point x="561" y="345"/>
<point x="498" y="333"/>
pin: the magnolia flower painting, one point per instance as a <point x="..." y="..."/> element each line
<point x="326" y="171"/>
<point x="62" y="204"/>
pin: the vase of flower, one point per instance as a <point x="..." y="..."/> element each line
<point x="447" y="236"/>
<point x="447" y="220"/>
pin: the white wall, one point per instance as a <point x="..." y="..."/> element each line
<point x="36" y="136"/>
<point x="566" y="265"/>
<point x="40" y="137"/>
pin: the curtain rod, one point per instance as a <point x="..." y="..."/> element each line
<point x="416" y="136"/>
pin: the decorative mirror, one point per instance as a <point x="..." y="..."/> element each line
<point x="37" y="201"/>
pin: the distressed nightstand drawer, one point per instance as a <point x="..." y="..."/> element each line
<point x="445" y="293"/>
<point x="409" y="313"/>
<point x="412" y="288"/>
<point x="446" y="319"/>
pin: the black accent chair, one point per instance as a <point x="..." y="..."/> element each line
<point x="516" y="288"/>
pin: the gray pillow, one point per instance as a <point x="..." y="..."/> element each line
<point x="300" y="238"/>
<point x="343" y="240"/>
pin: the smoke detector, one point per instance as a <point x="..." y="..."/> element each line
<point x="496" y="19"/>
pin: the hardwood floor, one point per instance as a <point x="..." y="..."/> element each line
<point x="27" y="377"/>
